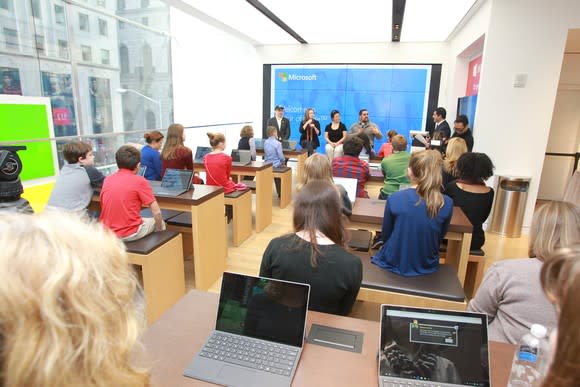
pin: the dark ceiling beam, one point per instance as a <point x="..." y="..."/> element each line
<point x="276" y="20"/>
<point x="398" y="14"/>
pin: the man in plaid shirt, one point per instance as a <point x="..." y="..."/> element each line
<point x="351" y="166"/>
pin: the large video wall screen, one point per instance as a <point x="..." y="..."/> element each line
<point x="397" y="97"/>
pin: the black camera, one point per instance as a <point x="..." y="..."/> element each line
<point x="10" y="168"/>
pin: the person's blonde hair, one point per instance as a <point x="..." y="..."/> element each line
<point x="426" y="168"/>
<point x="554" y="225"/>
<point x="215" y="139"/>
<point x="173" y="141"/>
<point x="455" y="148"/>
<point x="560" y="278"/>
<point x="69" y="312"/>
<point x="247" y="131"/>
<point x="316" y="167"/>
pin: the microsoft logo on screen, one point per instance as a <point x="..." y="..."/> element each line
<point x="284" y="77"/>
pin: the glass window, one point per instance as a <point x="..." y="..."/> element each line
<point x="105" y="57"/>
<point x="102" y="3"/>
<point x="124" y="59"/>
<point x="62" y="49"/>
<point x="145" y="21"/>
<point x="36" y="10"/>
<point x="120" y="5"/>
<point x="121" y="25"/>
<point x="86" y="53"/>
<point x="144" y="3"/>
<point x="11" y="38"/>
<point x="59" y="14"/>
<point x="83" y="22"/>
<point x="103" y="27"/>
<point x="39" y="39"/>
<point x="6" y="4"/>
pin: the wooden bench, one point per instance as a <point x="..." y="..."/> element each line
<point x="285" y="176"/>
<point x="160" y="257"/>
<point x="441" y="289"/>
<point x="241" y="204"/>
<point x="474" y="273"/>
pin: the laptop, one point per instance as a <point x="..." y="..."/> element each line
<point x="258" y="336"/>
<point x="350" y="185"/>
<point x="142" y="170"/>
<point x="241" y="157"/>
<point x="174" y="183"/>
<point x="259" y="142"/>
<point x="431" y="347"/>
<point x="200" y="152"/>
<point x="289" y="144"/>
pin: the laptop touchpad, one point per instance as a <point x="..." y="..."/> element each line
<point x="230" y="375"/>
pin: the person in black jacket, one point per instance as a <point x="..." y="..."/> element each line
<point x="315" y="253"/>
<point x="309" y="132"/>
<point x="461" y="130"/>
<point x="440" y="124"/>
<point x="281" y="123"/>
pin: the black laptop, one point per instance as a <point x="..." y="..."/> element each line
<point x="241" y="157"/>
<point x="174" y="183"/>
<point x="200" y="152"/>
<point x="432" y="347"/>
<point x="258" y="336"/>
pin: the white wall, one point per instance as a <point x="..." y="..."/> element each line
<point x="466" y="43"/>
<point x="524" y="36"/>
<point x="217" y="77"/>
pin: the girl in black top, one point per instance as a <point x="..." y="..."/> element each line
<point x="315" y="253"/>
<point x="309" y="132"/>
<point x="334" y="134"/>
<point x="471" y="194"/>
<point x="247" y="140"/>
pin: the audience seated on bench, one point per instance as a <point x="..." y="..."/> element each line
<point x="314" y="253"/>
<point x="510" y="293"/>
<point x="123" y="195"/>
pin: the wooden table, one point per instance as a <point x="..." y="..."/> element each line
<point x="300" y="155"/>
<point x="264" y="179"/>
<point x="208" y="229"/>
<point x="368" y="214"/>
<point x="173" y="340"/>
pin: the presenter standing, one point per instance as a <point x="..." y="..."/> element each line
<point x="309" y="131"/>
<point x="281" y="123"/>
<point x="369" y="128"/>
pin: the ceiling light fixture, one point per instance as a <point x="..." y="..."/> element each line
<point x="276" y="20"/>
<point x="398" y="14"/>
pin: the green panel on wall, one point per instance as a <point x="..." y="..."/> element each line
<point x="20" y="122"/>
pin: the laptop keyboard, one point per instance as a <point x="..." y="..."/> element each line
<point x="409" y="383"/>
<point x="270" y="357"/>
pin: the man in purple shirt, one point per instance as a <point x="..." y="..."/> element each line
<point x="351" y="166"/>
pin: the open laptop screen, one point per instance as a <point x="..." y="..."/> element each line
<point x="350" y="185"/>
<point x="263" y="308"/>
<point x="201" y="151"/>
<point x="434" y="345"/>
<point x="177" y="178"/>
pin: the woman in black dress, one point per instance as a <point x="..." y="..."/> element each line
<point x="309" y="131"/>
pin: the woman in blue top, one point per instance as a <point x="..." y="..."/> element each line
<point x="416" y="219"/>
<point x="150" y="156"/>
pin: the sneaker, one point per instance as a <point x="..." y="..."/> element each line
<point x="377" y="243"/>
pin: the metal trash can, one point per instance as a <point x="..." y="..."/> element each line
<point x="510" y="205"/>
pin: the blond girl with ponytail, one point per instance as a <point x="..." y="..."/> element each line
<point x="416" y="219"/>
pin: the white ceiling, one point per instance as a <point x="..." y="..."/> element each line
<point x="338" y="21"/>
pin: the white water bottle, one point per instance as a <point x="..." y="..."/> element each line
<point x="528" y="364"/>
